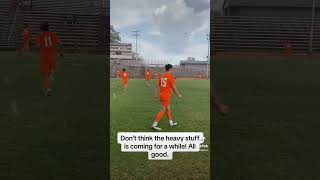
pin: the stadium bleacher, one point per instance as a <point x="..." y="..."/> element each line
<point x="137" y="70"/>
<point x="4" y="15"/>
<point x="80" y="24"/>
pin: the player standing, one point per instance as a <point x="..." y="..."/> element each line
<point x="125" y="78"/>
<point x="26" y="38"/>
<point x="148" y="77"/>
<point x="118" y="73"/>
<point x="166" y="84"/>
<point x="48" y="42"/>
<point x="288" y="48"/>
<point x="156" y="75"/>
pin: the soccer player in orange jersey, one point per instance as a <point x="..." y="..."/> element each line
<point x="148" y="77"/>
<point x="118" y="73"/>
<point x="166" y="84"/>
<point x="26" y="38"/>
<point x="156" y="75"/>
<point x="125" y="78"/>
<point x="48" y="42"/>
<point x="288" y="48"/>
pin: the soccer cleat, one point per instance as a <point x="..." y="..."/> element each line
<point x="173" y="124"/>
<point x="47" y="92"/>
<point x="156" y="128"/>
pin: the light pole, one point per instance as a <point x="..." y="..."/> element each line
<point x="136" y="34"/>
<point x="208" y="62"/>
<point x="311" y="27"/>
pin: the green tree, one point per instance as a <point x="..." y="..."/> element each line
<point x="114" y="35"/>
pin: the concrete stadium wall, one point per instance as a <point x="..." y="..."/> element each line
<point x="138" y="71"/>
<point x="80" y="24"/>
<point x="235" y="33"/>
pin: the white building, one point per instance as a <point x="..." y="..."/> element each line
<point x="192" y="62"/>
<point x="120" y="51"/>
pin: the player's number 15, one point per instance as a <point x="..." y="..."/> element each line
<point x="164" y="82"/>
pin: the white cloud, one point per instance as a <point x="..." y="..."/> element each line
<point x="176" y="21"/>
<point x="179" y="27"/>
<point x="152" y="51"/>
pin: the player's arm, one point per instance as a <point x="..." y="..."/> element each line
<point x="59" y="44"/>
<point x="38" y="41"/>
<point x="60" y="48"/>
<point x="221" y="108"/>
<point x="175" y="90"/>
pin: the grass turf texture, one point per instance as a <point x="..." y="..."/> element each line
<point x="59" y="137"/>
<point x="135" y="112"/>
<point x="273" y="129"/>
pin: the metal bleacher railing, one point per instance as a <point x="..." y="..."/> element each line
<point x="230" y="33"/>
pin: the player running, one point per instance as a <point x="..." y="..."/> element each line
<point x="148" y="77"/>
<point x="166" y="84"/>
<point x="125" y="78"/>
<point x="48" y="42"/>
<point x="26" y="38"/>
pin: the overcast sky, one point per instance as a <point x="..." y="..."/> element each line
<point x="169" y="29"/>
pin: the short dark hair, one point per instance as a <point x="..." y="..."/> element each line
<point x="168" y="67"/>
<point x="44" y="26"/>
<point x="123" y="69"/>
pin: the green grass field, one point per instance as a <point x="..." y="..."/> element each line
<point x="273" y="129"/>
<point x="135" y="112"/>
<point x="59" y="137"/>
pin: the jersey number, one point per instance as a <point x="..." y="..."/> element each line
<point x="164" y="82"/>
<point x="47" y="41"/>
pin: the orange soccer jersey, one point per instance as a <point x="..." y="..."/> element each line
<point x="147" y="75"/>
<point x="125" y="77"/>
<point x="165" y="83"/>
<point x="47" y="42"/>
<point x="156" y="76"/>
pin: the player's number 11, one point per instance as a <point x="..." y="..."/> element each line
<point x="47" y="41"/>
<point x="164" y="82"/>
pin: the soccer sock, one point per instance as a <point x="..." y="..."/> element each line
<point x="170" y="122"/>
<point x="159" y="116"/>
<point x="155" y="124"/>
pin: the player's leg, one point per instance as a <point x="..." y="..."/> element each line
<point x="168" y="114"/>
<point x="52" y="67"/>
<point x="158" y="118"/>
<point x="27" y="45"/>
<point x="23" y="49"/>
<point x="45" y="76"/>
<point x="124" y="86"/>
